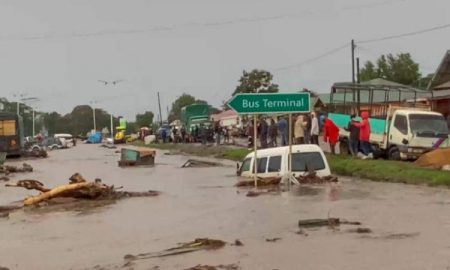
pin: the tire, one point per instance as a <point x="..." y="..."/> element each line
<point x="54" y="147"/>
<point x="394" y="153"/>
<point x="36" y="150"/>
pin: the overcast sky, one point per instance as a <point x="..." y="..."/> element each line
<point x="57" y="50"/>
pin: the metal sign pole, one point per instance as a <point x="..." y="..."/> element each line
<point x="290" y="150"/>
<point x="255" y="148"/>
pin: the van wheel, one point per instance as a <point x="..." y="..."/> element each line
<point x="394" y="153"/>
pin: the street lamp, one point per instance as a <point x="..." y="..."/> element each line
<point x="93" y="113"/>
<point x="31" y="99"/>
<point x="113" y="83"/>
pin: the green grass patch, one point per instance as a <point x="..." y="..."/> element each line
<point x="376" y="170"/>
<point x="388" y="171"/>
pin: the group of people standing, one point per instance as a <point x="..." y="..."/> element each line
<point x="306" y="130"/>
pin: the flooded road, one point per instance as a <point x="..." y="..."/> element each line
<point x="410" y="224"/>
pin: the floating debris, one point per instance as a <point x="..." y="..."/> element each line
<point x="359" y="230"/>
<point x="313" y="178"/>
<point x="238" y="243"/>
<point x="273" y="239"/>
<point x="218" y="267"/>
<point x="330" y="222"/>
<point x="195" y="163"/>
<point x="78" y="188"/>
<point x="196" y="245"/>
<point x="7" y="169"/>
<point x="261" y="182"/>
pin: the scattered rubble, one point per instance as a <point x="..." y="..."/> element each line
<point x="4" y="178"/>
<point x="313" y="178"/>
<point x="8" y="169"/>
<point x="261" y="182"/>
<point x="195" y="163"/>
<point x="196" y="245"/>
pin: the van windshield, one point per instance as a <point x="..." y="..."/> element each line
<point x="302" y="161"/>
<point x="426" y="125"/>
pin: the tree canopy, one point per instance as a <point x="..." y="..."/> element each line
<point x="180" y="102"/>
<point x="144" y="119"/>
<point x="400" y="68"/>
<point x="256" y="81"/>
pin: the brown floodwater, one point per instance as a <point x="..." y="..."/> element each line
<point x="410" y="224"/>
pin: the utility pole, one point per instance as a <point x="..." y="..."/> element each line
<point x="358" y="79"/>
<point x="159" y="105"/>
<point x="353" y="60"/>
<point x="167" y="113"/>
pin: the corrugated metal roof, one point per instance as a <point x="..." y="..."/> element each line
<point x="442" y="74"/>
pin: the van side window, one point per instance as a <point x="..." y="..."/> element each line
<point x="274" y="164"/>
<point x="301" y="162"/>
<point x="261" y="165"/>
<point x="246" y="165"/>
<point x="401" y="124"/>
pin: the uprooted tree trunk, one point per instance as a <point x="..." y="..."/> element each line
<point x="78" y="188"/>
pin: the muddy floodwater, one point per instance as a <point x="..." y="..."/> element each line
<point x="410" y="224"/>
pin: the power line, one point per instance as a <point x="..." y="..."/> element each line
<point x="310" y="60"/>
<point x="435" y="28"/>
<point x="165" y="28"/>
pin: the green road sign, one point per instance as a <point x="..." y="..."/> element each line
<point x="270" y="103"/>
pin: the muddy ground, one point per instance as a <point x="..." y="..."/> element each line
<point x="410" y="224"/>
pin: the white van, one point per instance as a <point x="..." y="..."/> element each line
<point x="273" y="162"/>
<point x="66" y="139"/>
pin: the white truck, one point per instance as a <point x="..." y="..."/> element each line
<point x="399" y="132"/>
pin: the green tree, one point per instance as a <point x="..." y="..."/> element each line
<point x="368" y="72"/>
<point x="144" y="119"/>
<point x="400" y="68"/>
<point x="256" y="81"/>
<point x="183" y="100"/>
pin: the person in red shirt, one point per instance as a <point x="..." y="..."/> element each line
<point x="331" y="134"/>
<point x="364" y="134"/>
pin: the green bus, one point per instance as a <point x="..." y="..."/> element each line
<point x="11" y="134"/>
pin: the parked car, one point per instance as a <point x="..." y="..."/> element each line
<point x="68" y="139"/>
<point x="52" y="143"/>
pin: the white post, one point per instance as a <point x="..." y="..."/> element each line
<point x="255" y="148"/>
<point x="33" y="124"/>
<point x="290" y="149"/>
<point x="93" y="115"/>
<point x="112" y="128"/>
<point x="17" y="103"/>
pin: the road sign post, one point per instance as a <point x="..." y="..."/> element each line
<point x="271" y="103"/>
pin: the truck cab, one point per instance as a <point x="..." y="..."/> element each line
<point x="414" y="132"/>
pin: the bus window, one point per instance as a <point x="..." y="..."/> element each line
<point x="301" y="160"/>
<point x="274" y="164"/>
<point x="8" y="128"/>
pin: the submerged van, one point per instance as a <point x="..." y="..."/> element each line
<point x="274" y="162"/>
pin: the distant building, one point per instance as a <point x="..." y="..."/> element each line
<point x="440" y="86"/>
